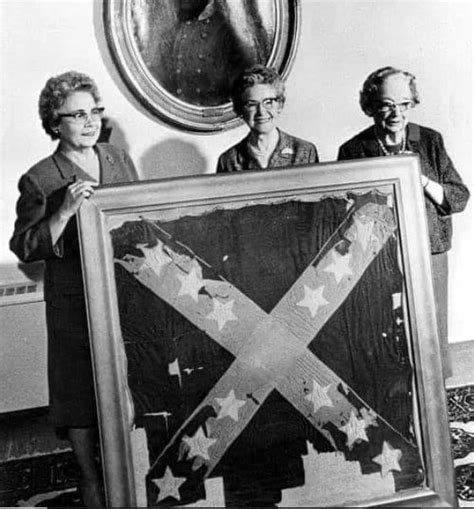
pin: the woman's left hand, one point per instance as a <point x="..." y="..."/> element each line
<point x="433" y="190"/>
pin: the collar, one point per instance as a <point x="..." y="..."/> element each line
<point x="283" y="151"/>
<point x="274" y="139"/>
<point x="68" y="169"/>
<point x="369" y="140"/>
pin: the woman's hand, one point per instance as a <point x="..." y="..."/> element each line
<point x="76" y="193"/>
<point x="432" y="189"/>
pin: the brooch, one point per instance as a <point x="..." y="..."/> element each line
<point x="109" y="159"/>
<point x="287" y="151"/>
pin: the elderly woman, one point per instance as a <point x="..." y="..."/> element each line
<point x="388" y="95"/>
<point x="258" y="96"/>
<point x="52" y="191"/>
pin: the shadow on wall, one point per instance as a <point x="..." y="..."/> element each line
<point x="113" y="133"/>
<point x="172" y="158"/>
<point x="169" y="158"/>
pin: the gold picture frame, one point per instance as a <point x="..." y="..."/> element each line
<point x="199" y="336"/>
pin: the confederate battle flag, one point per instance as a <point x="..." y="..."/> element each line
<point x="267" y="347"/>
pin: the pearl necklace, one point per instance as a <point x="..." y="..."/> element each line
<point x="386" y="152"/>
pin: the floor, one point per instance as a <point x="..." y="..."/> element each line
<point x="461" y="416"/>
<point x="35" y="464"/>
<point x="38" y="469"/>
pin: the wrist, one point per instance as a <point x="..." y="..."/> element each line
<point x="62" y="216"/>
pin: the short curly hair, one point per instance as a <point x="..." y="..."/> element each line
<point x="371" y="87"/>
<point x="55" y="93"/>
<point x="256" y="75"/>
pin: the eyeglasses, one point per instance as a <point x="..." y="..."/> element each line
<point x="81" y="116"/>
<point x="268" y="103"/>
<point x="387" y="106"/>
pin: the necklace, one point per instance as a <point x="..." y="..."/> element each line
<point x="386" y="152"/>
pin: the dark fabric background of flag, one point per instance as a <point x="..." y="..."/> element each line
<point x="262" y="250"/>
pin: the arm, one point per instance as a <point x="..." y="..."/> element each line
<point x="36" y="236"/>
<point x="31" y="238"/>
<point x="433" y="190"/>
<point x="449" y="193"/>
<point x="76" y="193"/>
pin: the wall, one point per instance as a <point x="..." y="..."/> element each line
<point x="341" y="42"/>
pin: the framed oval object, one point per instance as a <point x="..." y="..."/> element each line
<point x="180" y="57"/>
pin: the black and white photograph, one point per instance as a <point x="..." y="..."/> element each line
<point x="235" y="267"/>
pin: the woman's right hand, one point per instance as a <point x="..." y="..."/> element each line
<point x="76" y="193"/>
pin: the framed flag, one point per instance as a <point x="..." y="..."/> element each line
<point x="267" y="339"/>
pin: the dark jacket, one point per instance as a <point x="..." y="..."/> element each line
<point x="290" y="151"/>
<point x="42" y="191"/>
<point x="435" y="164"/>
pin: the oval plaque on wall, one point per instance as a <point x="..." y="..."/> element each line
<point x="180" y="57"/>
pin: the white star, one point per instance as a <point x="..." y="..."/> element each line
<point x="199" y="444"/>
<point x="230" y="406"/>
<point x="355" y="430"/>
<point x="191" y="283"/>
<point x="319" y="397"/>
<point x="313" y="299"/>
<point x="388" y="460"/>
<point x="222" y="313"/>
<point x="155" y="257"/>
<point x="339" y="266"/>
<point x="168" y="485"/>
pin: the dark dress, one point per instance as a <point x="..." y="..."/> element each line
<point x="42" y="188"/>
<point x="436" y="165"/>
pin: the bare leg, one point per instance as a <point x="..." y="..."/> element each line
<point x="83" y="442"/>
